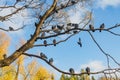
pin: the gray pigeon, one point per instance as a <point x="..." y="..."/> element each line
<point x="54" y="42"/>
<point x="43" y="34"/>
<point x="102" y="26"/>
<point x="42" y="55"/>
<point x="11" y="29"/>
<point x="45" y="43"/>
<point x="88" y="70"/>
<point x="4" y="56"/>
<point x="91" y="28"/>
<point x="51" y="60"/>
<point x="71" y="70"/>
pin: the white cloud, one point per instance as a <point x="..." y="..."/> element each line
<point x="94" y="65"/>
<point x="104" y="3"/>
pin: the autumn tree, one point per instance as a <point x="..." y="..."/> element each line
<point x="13" y="71"/>
<point x="48" y="20"/>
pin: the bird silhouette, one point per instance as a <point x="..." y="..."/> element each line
<point x="62" y="6"/>
<point x="31" y="35"/>
<point x="42" y="55"/>
<point x="55" y="29"/>
<point x="79" y="42"/>
<point x="40" y="16"/>
<point x="71" y="70"/>
<point x="45" y="43"/>
<point x="76" y="26"/>
<point x="54" y="42"/>
<point x="43" y="34"/>
<point x="88" y="70"/>
<point x="36" y="24"/>
<point x="11" y="29"/>
<point x="4" y="56"/>
<point x="69" y="24"/>
<point x="102" y="26"/>
<point x="73" y="2"/>
<point x="60" y="27"/>
<point x="51" y="60"/>
<point x="92" y="28"/>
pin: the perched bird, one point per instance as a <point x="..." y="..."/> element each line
<point x="62" y="6"/>
<point x="40" y="16"/>
<point x="73" y="2"/>
<point x="11" y="28"/>
<point x="76" y="26"/>
<point x="42" y="55"/>
<point x="43" y="34"/>
<point x="36" y="24"/>
<point x="71" y="70"/>
<point x="60" y="27"/>
<point x="88" y="70"/>
<point x="56" y="10"/>
<point x="4" y="56"/>
<point x="55" y="29"/>
<point x="51" y="60"/>
<point x="54" y="42"/>
<point x="31" y="35"/>
<point x="91" y="28"/>
<point x="102" y="26"/>
<point x="79" y="42"/>
<point x="45" y="43"/>
<point x="69" y="24"/>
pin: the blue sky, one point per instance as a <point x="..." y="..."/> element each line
<point x="69" y="54"/>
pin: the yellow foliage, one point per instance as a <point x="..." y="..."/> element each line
<point x="42" y="74"/>
<point x="7" y="73"/>
<point x="4" y="43"/>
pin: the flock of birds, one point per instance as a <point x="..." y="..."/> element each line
<point x="58" y="28"/>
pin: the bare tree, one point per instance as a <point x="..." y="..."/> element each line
<point x="51" y="20"/>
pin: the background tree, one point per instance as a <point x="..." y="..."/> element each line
<point x="49" y="20"/>
<point x="13" y="71"/>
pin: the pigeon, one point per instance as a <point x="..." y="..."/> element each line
<point x="69" y="24"/>
<point x="76" y="26"/>
<point x="62" y="6"/>
<point x="60" y="27"/>
<point x="45" y="43"/>
<point x="91" y="28"/>
<point x="31" y="35"/>
<point x="55" y="29"/>
<point x="71" y="70"/>
<point x="40" y="16"/>
<point x="51" y="60"/>
<point x="102" y="26"/>
<point x="88" y="70"/>
<point x="43" y="34"/>
<point x="73" y="2"/>
<point x="11" y="29"/>
<point x="4" y="56"/>
<point x="54" y="42"/>
<point x="43" y="56"/>
<point x="56" y="10"/>
<point x="79" y="42"/>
